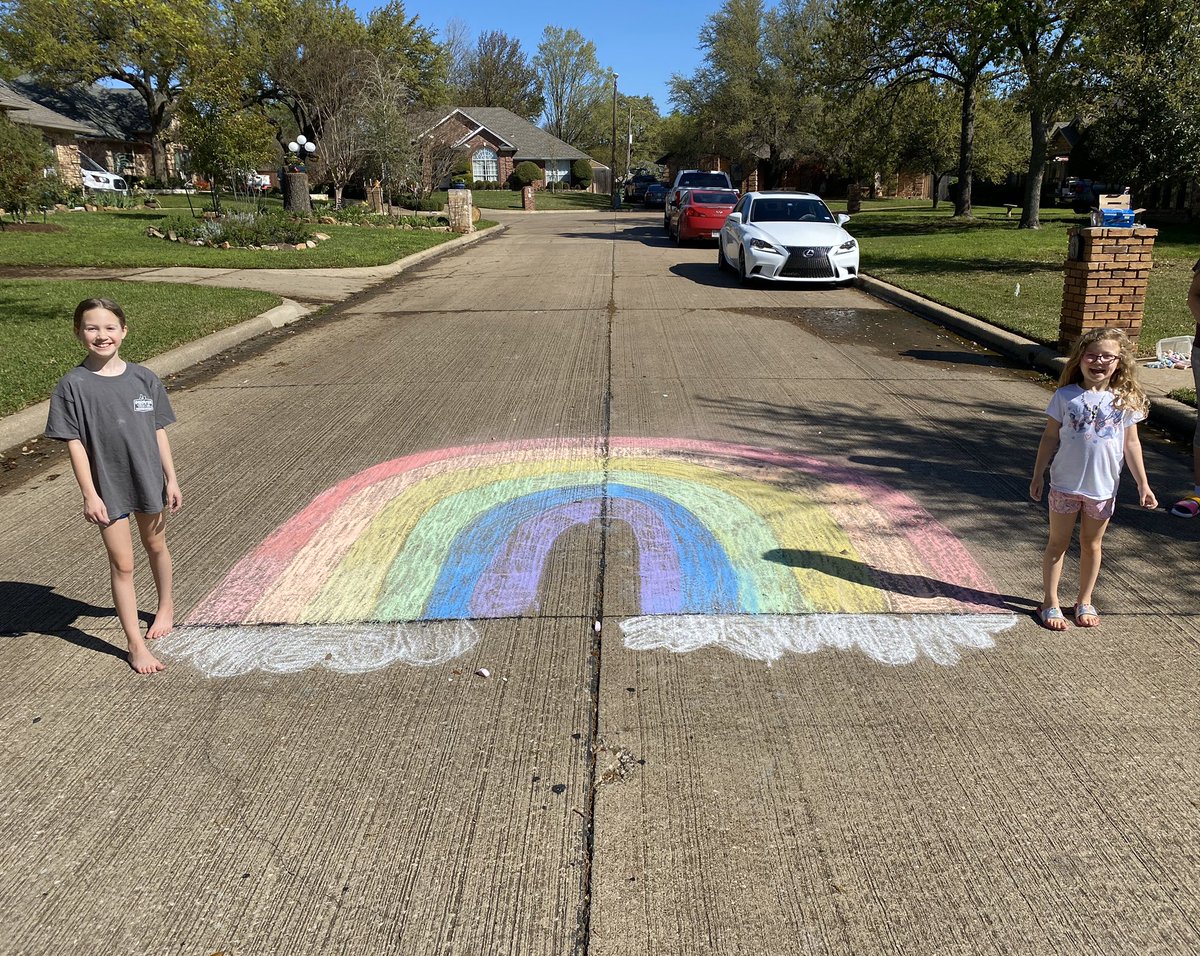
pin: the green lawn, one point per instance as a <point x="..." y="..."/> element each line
<point x="118" y="239"/>
<point x="39" y="343"/>
<point x="1011" y="277"/>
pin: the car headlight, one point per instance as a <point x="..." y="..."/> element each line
<point x="764" y="245"/>
<point x="848" y="246"/>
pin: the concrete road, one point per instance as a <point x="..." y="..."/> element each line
<point x="565" y="597"/>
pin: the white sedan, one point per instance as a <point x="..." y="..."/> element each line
<point x="785" y="236"/>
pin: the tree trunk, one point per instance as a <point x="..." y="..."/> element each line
<point x="1031" y="213"/>
<point x="966" y="148"/>
<point x="936" y="179"/>
<point x="297" y="202"/>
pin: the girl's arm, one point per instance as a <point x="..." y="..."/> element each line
<point x="1045" y="452"/>
<point x="174" y="495"/>
<point x="93" y="505"/>
<point x="1133" y="457"/>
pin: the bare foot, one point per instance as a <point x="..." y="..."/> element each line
<point x="163" y="623"/>
<point x="142" y="661"/>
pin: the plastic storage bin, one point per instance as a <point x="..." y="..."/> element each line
<point x="1180" y="344"/>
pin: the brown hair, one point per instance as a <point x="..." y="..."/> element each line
<point x="88" y="304"/>
<point x="1126" y="389"/>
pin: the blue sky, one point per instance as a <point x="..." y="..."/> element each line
<point x="644" y="43"/>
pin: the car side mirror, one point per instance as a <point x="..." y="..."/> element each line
<point x="734" y="217"/>
<point x="842" y="219"/>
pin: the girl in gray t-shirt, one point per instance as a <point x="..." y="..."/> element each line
<point x="113" y="416"/>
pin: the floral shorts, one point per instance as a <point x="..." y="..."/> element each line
<point x="1065" y="504"/>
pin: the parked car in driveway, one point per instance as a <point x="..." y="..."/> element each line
<point x="655" y="197"/>
<point x="701" y="213"/>
<point x="691" y="179"/>
<point x="787" y="236"/>
<point x="635" y="188"/>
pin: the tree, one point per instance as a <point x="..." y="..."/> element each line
<point x="224" y="141"/>
<point x="1146" y="54"/>
<point x="410" y="52"/>
<point x="572" y="81"/>
<point x="637" y="117"/>
<point x="23" y="157"/>
<point x="897" y="42"/>
<point x="927" y="139"/>
<point x="754" y="87"/>
<point x="1047" y="37"/>
<point x="150" y="46"/>
<point x="387" y="127"/>
<point x="499" y="74"/>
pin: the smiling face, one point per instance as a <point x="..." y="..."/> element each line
<point x="1099" y="362"/>
<point x="101" y="332"/>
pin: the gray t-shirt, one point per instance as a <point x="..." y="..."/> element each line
<point x="116" y="417"/>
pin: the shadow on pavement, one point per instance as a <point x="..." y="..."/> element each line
<point x="36" y="609"/>
<point x="912" y="585"/>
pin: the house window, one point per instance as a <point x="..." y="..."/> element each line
<point x="557" y="170"/>
<point x="485" y="165"/>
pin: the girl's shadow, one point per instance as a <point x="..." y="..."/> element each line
<point x="912" y="585"/>
<point x="35" y="609"/>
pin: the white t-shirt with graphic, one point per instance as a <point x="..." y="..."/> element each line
<point x="1091" y="442"/>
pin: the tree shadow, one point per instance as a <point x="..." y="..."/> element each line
<point x="910" y="585"/>
<point x="36" y="609"/>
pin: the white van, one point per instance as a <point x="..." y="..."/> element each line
<point x="99" y="179"/>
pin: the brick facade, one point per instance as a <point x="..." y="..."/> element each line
<point x="1106" y="274"/>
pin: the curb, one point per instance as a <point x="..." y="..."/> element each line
<point x="29" y="422"/>
<point x="1175" y="417"/>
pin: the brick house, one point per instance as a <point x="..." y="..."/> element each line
<point x="495" y="140"/>
<point x="117" y="126"/>
<point x="62" y="133"/>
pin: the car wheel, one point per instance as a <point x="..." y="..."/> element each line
<point x="667" y="224"/>
<point x="679" y="236"/>
<point x="745" y="279"/>
<point x="721" y="266"/>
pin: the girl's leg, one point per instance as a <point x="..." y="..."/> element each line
<point x="1091" y="533"/>
<point x="119" y="545"/>
<point x="1062" y="526"/>
<point x="153" y="529"/>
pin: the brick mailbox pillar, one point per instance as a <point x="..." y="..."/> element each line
<point x="527" y="200"/>
<point x="1105" y="281"/>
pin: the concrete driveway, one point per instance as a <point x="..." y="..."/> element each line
<point x="564" y="596"/>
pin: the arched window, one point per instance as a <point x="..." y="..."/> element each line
<point x="485" y="165"/>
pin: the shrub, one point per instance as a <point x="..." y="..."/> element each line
<point x="581" y="172"/>
<point x="240" y="229"/>
<point x="526" y="174"/>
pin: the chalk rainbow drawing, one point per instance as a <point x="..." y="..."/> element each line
<point x="758" y="551"/>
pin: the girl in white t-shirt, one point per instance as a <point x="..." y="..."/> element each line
<point x="1092" y="423"/>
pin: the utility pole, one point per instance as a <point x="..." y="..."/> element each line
<point x="616" y="200"/>
<point x="629" y="145"/>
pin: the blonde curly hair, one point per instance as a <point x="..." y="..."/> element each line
<point x="1127" y="390"/>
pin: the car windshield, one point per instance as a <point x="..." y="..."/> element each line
<point x="90" y="164"/>
<point x="714" y="199"/>
<point x="772" y="209"/>
<point x="704" y="179"/>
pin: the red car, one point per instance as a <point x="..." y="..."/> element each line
<point x="701" y="214"/>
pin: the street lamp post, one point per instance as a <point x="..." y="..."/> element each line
<point x="296" y="194"/>
<point x="616" y="199"/>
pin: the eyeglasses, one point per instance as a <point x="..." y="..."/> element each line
<point x="1100" y="358"/>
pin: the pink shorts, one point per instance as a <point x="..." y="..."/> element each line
<point x="1065" y="504"/>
